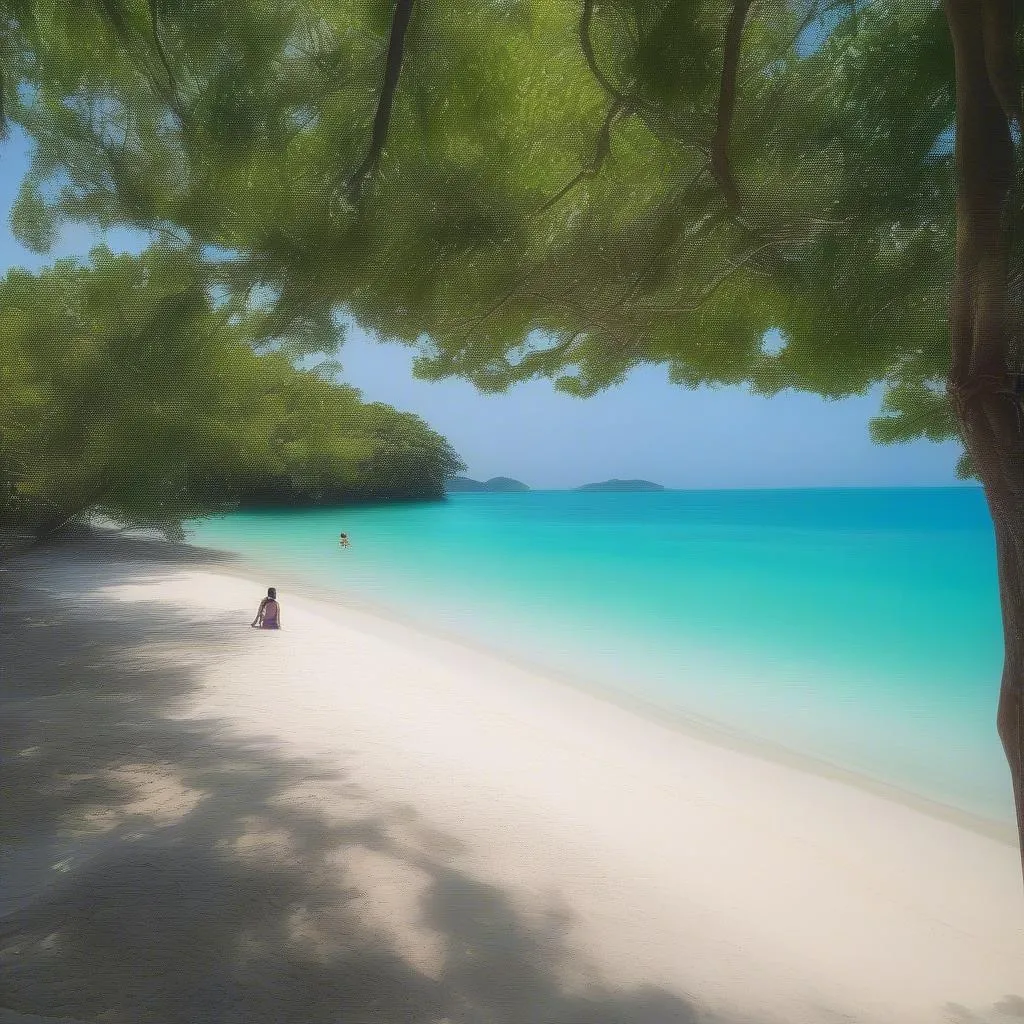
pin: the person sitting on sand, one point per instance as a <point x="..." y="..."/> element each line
<point x="269" y="614"/>
<point x="343" y="540"/>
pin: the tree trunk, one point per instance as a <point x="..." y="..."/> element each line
<point x="986" y="383"/>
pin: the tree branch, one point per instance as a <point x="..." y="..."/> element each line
<point x="559" y="300"/>
<point x="385" y="102"/>
<point x="697" y="301"/>
<point x="586" y="20"/>
<point x="721" y="163"/>
<point x="172" y="83"/>
<point x="629" y="103"/>
<point x="477" y="321"/>
<point x="539" y="363"/>
<point x="664" y="247"/>
<point x="602" y="149"/>
<point x="115" y="15"/>
<point x="62" y="517"/>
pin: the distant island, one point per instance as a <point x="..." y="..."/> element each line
<point x="496" y="483"/>
<point x="622" y="485"/>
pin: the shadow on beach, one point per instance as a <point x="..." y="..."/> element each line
<point x="157" y="868"/>
<point x="107" y="546"/>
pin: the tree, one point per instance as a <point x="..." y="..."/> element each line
<point x="130" y="390"/>
<point x="569" y="189"/>
<point x="986" y="377"/>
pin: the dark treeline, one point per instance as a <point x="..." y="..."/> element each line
<point x="131" y="391"/>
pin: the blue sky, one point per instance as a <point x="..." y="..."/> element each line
<point x="645" y="427"/>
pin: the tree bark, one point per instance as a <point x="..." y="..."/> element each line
<point x="721" y="160"/>
<point x="385" y="102"/>
<point x="986" y="383"/>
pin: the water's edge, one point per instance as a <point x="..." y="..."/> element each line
<point x="691" y="725"/>
<point x="860" y="629"/>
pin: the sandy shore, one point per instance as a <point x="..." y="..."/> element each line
<point x="350" y="821"/>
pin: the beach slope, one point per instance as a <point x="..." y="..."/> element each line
<point x="350" y="820"/>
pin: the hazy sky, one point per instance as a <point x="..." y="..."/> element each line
<point x="645" y="427"/>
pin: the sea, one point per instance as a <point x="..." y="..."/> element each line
<point x="856" y="627"/>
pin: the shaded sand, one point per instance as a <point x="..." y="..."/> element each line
<point x="349" y="821"/>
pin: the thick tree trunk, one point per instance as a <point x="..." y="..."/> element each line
<point x="985" y="382"/>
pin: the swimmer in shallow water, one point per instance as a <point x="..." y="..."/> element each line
<point x="269" y="614"/>
<point x="343" y="540"/>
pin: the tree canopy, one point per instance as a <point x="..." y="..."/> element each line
<point x="530" y="188"/>
<point x="130" y="389"/>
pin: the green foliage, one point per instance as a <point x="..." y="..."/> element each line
<point x="128" y="389"/>
<point x="32" y="221"/>
<point x="545" y="204"/>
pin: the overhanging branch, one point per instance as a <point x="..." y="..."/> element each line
<point x="385" y="102"/>
<point x="173" y="93"/>
<point x="630" y="103"/>
<point x="587" y="44"/>
<point x="695" y="302"/>
<point x="115" y="15"/>
<point x="602" y="148"/>
<point x="118" y="18"/>
<point x="721" y="161"/>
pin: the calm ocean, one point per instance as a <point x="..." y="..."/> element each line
<point x="857" y="626"/>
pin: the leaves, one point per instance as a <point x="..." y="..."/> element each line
<point x="515" y="199"/>
<point x="128" y="389"/>
<point x="33" y="223"/>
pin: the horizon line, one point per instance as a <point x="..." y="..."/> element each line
<point x="661" y="488"/>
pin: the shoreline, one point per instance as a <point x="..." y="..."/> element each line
<point x="516" y="848"/>
<point x="691" y="725"/>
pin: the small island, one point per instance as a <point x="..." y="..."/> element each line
<point x="622" y="485"/>
<point x="500" y="484"/>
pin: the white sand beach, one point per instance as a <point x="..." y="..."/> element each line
<point x="353" y="821"/>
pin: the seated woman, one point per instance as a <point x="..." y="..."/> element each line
<point x="269" y="614"/>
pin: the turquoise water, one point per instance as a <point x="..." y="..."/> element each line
<point x="858" y="626"/>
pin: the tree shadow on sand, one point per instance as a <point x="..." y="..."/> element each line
<point x="158" y="869"/>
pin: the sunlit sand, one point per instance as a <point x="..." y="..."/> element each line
<point x="352" y="820"/>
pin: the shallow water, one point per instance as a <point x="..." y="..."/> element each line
<point x="858" y="626"/>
